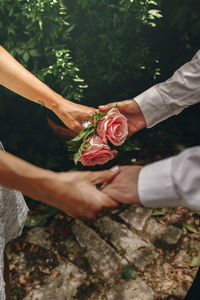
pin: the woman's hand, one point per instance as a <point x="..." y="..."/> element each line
<point x="76" y="194"/>
<point x="19" y="80"/>
<point x="73" y="114"/>
<point x="131" y="110"/>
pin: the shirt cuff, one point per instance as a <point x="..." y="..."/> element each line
<point x="153" y="106"/>
<point x="155" y="185"/>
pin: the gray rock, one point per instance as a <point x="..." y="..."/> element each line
<point x="39" y="237"/>
<point x="129" y="244"/>
<point x="102" y="258"/>
<point x="136" y="216"/>
<point x="169" y="235"/>
<point x="182" y="259"/>
<point x="63" y="287"/>
<point x="130" y="290"/>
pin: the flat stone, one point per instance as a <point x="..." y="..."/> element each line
<point x="129" y="244"/>
<point x="136" y="216"/>
<point x="169" y="235"/>
<point x="182" y="259"/>
<point x="62" y="287"/>
<point x="39" y="237"/>
<point x="130" y="290"/>
<point x="102" y="258"/>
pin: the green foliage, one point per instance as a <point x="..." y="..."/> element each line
<point x="157" y="213"/>
<point x="185" y="19"/>
<point x="37" y="33"/>
<point x="40" y="220"/>
<point x="80" y="142"/>
<point x="109" y="44"/>
<point x="128" y="272"/>
<point x="189" y="227"/>
<point x="118" y="46"/>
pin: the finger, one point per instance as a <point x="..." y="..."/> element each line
<point x="77" y="127"/>
<point x="113" y="194"/>
<point x="104" y="176"/>
<point x="107" y="106"/>
<point x="106" y="202"/>
<point x="88" y="115"/>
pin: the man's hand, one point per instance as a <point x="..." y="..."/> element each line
<point x="131" y="110"/>
<point x="124" y="187"/>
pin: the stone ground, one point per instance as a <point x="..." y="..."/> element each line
<point x="81" y="260"/>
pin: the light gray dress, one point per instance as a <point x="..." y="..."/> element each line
<point x="13" y="213"/>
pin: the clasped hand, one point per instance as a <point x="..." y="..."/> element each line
<point x="124" y="186"/>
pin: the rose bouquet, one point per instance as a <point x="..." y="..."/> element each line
<point x="98" y="142"/>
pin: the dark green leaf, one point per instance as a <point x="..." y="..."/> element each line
<point x="26" y="56"/>
<point x="34" y="52"/>
<point x="33" y="221"/>
<point x="157" y="213"/>
<point x="128" y="272"/>
<point x="189" y="227"/>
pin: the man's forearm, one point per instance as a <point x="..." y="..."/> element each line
<point x="172" y="182"/>
<point x="16" y="78"/>
<point x="172" y="96"/>
<point x="20" y="175"/>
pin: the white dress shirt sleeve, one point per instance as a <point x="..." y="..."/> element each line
<point x="174" y="181"/>
<point x="171" y="182"/>
<point x="170" y="97"/>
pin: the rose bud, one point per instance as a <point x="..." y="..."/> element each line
<point x="98" y="153"/>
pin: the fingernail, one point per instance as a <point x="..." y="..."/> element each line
<point x="102" y="106"/>
<point x="115" y="169"/>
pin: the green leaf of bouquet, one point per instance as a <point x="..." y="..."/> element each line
<point x="83" y="146"/>
<point x="128" y="272"/>
<point x="76" y="157"/>
<point x="96" y="117"/>
<point x="128" y="146"/>
<point x="78" y="138"/>
<point x="189" y="227"/>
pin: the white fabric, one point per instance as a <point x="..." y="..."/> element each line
<point x="13" y="213"/>
<point x="172" y="96"/>
<point x="171" y="182"/>
<point x="174" y="181"/>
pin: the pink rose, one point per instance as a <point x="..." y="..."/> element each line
<point x="98" y="153"/>
<point x="113" y="127"/>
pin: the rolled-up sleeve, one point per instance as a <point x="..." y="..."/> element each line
<point x="171" y="182"/>
<point x="172" y="96"/>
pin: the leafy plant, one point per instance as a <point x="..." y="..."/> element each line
<point x="37" y="33"/>
<point x="109" y="44"/>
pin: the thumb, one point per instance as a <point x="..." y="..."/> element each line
<point x="107" y="106"/>
<point x="104" y="176"/>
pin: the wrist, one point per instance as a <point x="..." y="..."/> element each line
<point x="54" y="102"/>
<point x="140" y="116"/>
<point x="137" y="197"/>
<point x="35" y="184"/>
